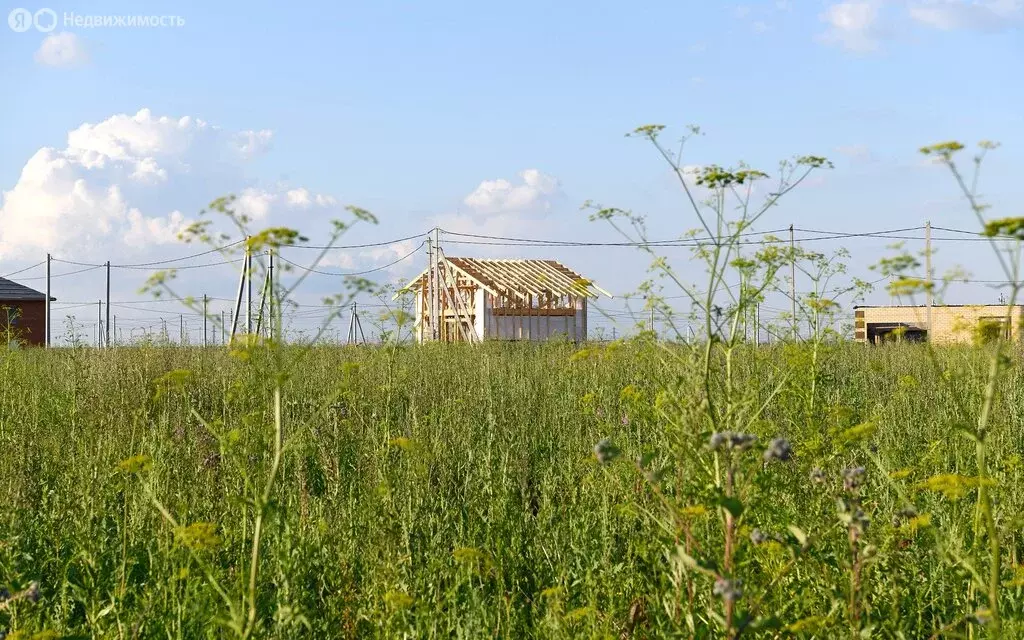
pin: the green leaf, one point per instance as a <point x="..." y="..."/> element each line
<point x="732" y="505"/>
<point x="859" y="432"/>
<point x="763" y="624"/>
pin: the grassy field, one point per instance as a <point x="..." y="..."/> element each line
<point x="455" y="492"/>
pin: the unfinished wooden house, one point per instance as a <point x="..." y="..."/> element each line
<point x="472" y="299"/>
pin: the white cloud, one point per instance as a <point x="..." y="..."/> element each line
<point x="147" y="170"/>
<point x="251" y="143"/>
<point x="299" y="197"/>
<point x="980" y="15"/>
<point x="534" y="193"/>
<point x="63" y="49"/>
<point x="355" y="261"/>
<point x="857" y="25"/>
<point x="852" y="25"/>
<point x="856" y="152"/>
<point x="142" y="230"/>
<point x="255" y="203"/>
<point x="392" y="252"/>
<point x="503" y="208"/>
<point x="119" y="186"/>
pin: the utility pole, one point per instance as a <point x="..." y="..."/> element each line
<point x="113" y="327"/>
<point x="99" y="322"/>
<point x="49" y="258"/>
<point x="792" y="279"/>
<point x="238" y="300"/>
<point x="181" y="329"/>
<point x="205" y="303"/>
<point x="106" y="338"/>
<point x="441" y="291"/>
<point x="270" y="294"/>
<point x="430" y="287"/>
<point x="355" y="328"/>
<point x="263" y="301"/>
<point x="928" y="274"/>
<point x="248" y="287"/>
<point x="757" y="324"/>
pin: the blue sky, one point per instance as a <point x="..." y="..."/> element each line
<point x="407" y="109"/>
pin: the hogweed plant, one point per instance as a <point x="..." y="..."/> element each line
<point x="245" y="614"/>
<point x="984" y="551"/>
<point x="713" y="434"/>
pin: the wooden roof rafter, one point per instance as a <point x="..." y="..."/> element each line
<point x="518" y="279"/>
<point x="514" y="275"/>
<point x="522" y="267"/>
<point x="503" y="287"/>
<point x="560" y="277"/>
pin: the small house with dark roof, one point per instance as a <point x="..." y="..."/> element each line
<point x="22" y="314"/>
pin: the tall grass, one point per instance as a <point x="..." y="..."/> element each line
<point x="453" y="492"/>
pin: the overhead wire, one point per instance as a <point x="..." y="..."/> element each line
<point x="353" y="273"/>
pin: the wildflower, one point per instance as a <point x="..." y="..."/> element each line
<point x="852" y="516"/>
<point x="818" y="475"/>
<point x="135" y="464"/>
<point x="728" y="590"/>
<point x="398" y="600"/>
<point x="758" y="537"/>
<point x="605" y="451"/>
<point x="718" y="440"/>
<point x="211" y="460"/>
<point x="625" y="420"/>
<point x="742" y="441"/>
<point x="198" y="536"/>
<point x="730" y="440"/>
<point x="853" y="478"/>
<point x="779" y="449"/>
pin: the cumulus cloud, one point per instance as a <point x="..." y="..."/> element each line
<point x="979" y="15"/>
<point x="856" y="152"/>
<point x="534" y="192"/>
<point x="251" y="143"/>
<point x="858" y="25"/>
<point x="119" y="186"/>
<point x="63" y="49"/>
<point x="853" y="26"/>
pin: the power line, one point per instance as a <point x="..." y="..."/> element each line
<point x="353" y="273"/>
<point x="695" y="242"/>
<point x="594" y="244"/>
<point x="356" y="246"/>
<point x="141" y="265"/>
<point x="61" y="275"/>
<point x="14" y="273"/>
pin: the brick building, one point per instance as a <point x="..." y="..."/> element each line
<point x="22" y="314"/>
<point x="950" y="323"/>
